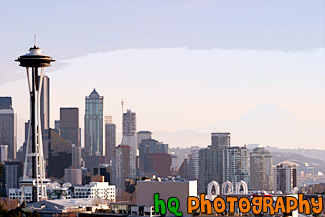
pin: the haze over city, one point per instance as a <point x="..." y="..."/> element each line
<point x="193" y="70"/>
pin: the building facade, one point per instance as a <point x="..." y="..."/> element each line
<point x="261" y="172"/>
<point x="130" y="138"/>
<point x="94" y="124"/>
<point x="237" y="165"/>
<point x="100" y="190"/>
<point x="8" y="126"/>
<point x="69" y="125"/>
<point x="286" y="177"/>
<point x="110" y="139"/>
<point x="122" y="169"/>
<point x="220" y="140"/>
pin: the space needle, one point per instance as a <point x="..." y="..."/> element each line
<point x="35" y="62"/>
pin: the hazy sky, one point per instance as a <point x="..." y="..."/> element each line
<point x="182" y="66"/>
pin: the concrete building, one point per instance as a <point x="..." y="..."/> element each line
<point x="141" y="135"/>
<point x="110" y="139"/>
<point x="286" y="177"/>
<point x="73" y="175"/>
<point x="193" y="164"/>
<point x="76" y="156"/>
<point x="147" y="147"/>
<point x="100" y="190"/>
<point x="211" y="167"/>
<point x="69" y="207"/>
<point x="122" y="169"/>
<point x="13" y="171"/>
<point x="261" y="172"/>
<point x="104" y="170"/>
<point x="159" y="164"/>
<point x="8" y="126"/>
<point x="130" y="138"/>
<point x="60" y="156"/>
<point x="3" y="153"/>
<point x="166" y="189"/>
<point x="220" y="140"/>
<point x="69" y="125"/>
<point x="94" y="124"/>
<point x="237" y="165"/>
<point x="45" y="114"/>
<point x="57" y="125"/>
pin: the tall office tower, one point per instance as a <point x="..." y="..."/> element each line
<point x="3" y="153"/>
<point x="220" y="140"/>
<point x="122" y="168"/>
<point x="261" y="172"/>
<point x="193" y="166"/>
<point x="13" y="170"/>
<point x="286" y="177"/>
<point x="129" y="123"/>
<point x="147" y="147"/>
<point x="45" y="113"/>
<point x="57" y="126"/>
<point x="60" y="156"/>
<point x="237" y="166"/>
<point x="110" y="138"/>
<point x="211" y="167"/>
<point x="76" y="156"/>
<point x="69" y="125"/>
<point x="129" y="137"/>
<point x="94" y="124"/>
<point x="141" y="135"/>
<point x="8" y="126"/>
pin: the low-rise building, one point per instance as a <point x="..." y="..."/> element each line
<point x="95" y="190"/>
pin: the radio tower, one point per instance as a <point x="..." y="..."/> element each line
<point x="33" y="61"/>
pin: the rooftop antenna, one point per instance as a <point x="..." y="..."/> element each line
<point x="34" y="40"/>
<point x="122" y="102"/>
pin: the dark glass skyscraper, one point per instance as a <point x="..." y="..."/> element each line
<point x="94" y="124"/>
<point x="69" y="125"/>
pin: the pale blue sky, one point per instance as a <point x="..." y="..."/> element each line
<point x="178" y="64"/>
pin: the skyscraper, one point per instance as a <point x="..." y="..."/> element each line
<point x="211" y="167"/>
<point x="94" y="124"/>
<point x="122" y="168"/>
<point x="146" y="148"/>
<point x="13" y="170"/>
<point x="193" y="166"/>
<point x="129" y="123"/>
<point x="129" y="138"/>
<point x="220" y="140"/>
<point x="45" y="113"/>
<point x="141" y="135"/>
<point x="69" y="125"/>
<point x="237" y="165"/>
<point x="261" y="172"/>
<point x="110" y="139"/>
<point x="8" y="126"/>
<point x="286" y="177"/>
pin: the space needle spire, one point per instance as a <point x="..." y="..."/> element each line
<point x="35" y="62"/>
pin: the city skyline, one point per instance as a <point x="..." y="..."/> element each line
<point x="186" y="83"/>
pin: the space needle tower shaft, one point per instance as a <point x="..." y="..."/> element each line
<point x="35" y="62"/>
